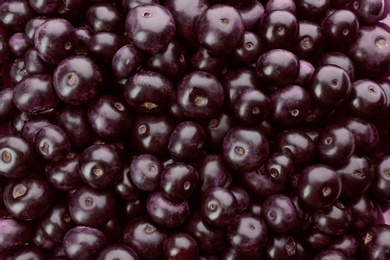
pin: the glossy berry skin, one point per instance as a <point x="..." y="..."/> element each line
<point x="335" y="145"/>
<point x="220" y="29"/>
<point x="181" y="246"/>
<point x="288" y="5"/>
<point x="319" y="186"/>
<point x="126" y="61"/>
<point x="250" y="48"/>
<point x="186" y="14"/>
<point x="100" y="166"/>
<point x="374" y="42"/>
<point x="368" y="11"/>
<point x="290" y="105"/>
<point x="304" y="219"/>
<point x="330" y="86"/>
<point x="166" y="212"/>
<point x="117" y="251"/>
<point x="17" y="72"/>
<point x="281" y="246"/>
<point x="29" y="251"/>
<point x="367" y="99"/>
<point x="28" y="198"/>
<point x="259" y="185"/>
<point x="247" y="232"/>
<point x="148" y="92"/>
<point x="187" y="141"/>
<point x="218" y="206"/>
<point x="316" y="239"/>
<point x="173" y="62"/>
<point x="17" y="156"/>
<point x="7" y="107"/>
<point x="364" y="132"/>
<point x="375" y="245"/>
<point x="56" y="222"/>
<point x="77" y="80"/>
<point x="109" y="116"/>
<point x="32" y="126"/>
<point x="34" y="64"/>
<point x="91" y="207"/>
<point x="65" y="174"/>
<point x="18" y="44"/>
<point x="145" y="237"/>
<point x="213" y="172"/>
<point x="380" y="186"/>
<point x="364" y="212"/>
<point x="125" y="187"/>
<point x="312" y="9"/>
<point x="278" y="66"/>
<point x="252" y="106"/>
<point x="18" y="13"/>
<point x="150" y="27"/>
<point x="179" y="181"/>
<point x="242" y="197"/>
<point x="13" y="233"/>
<point x="338" y="59"/>
<point x="32" y="25"/>
<point x="77" y="246"/>
<point x="279" y="167"/>
<point x="330" y="254"/>
<point x="73" y="120"/>
<point x="278" y="29"/>
<point x="347" y="244"/>
<point x="334" y="220"/>
<point x="83" y="35"/>
<point x="145" y="172"/>
<point x="357" y="174"/>
<point x="279" y="213"/>
<point x="311" y="42"/>
<point x="237" y="80"/>
<point x="104" y="18"/>
<point x="341" y="28"/>
<point x="55" y="40"/>
<point x="206" y="61"/>
<point x="216" y="129"/>
<point x="210" y="239"/>
<point x="245" y="148"/>
<point x="200" y="95"/>
<point x="52" y="143"/>
<point x="44" y="6"/>
<point x="103" y="45"/>
<point x="133" y="209"/>
<point x="150" y="133"/>
<point x="35" y="94"/>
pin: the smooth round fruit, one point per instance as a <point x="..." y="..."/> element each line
<point x="77" y="80"/>
<point x="13" y="233"/>
<point x="200" y="95"/>
<point x="319" y="186"/>
<point x="247" y="232"/>
<point x="181" y="246"/>
<point x="279" y="213"/>
<point x="28" y="198"/>
<point x="55" y="40"/>
<point x="218" y="206"/>
<point x="76" y="245"/>
<point x="91" y="207"/>
<point x="245" y="148"/>
<point x="166" y="212"/>
<point x="119" y="252"/>
<point x="220" y="29"/>
<point x="145" y="237"/>
<point x="150" y="27"/>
